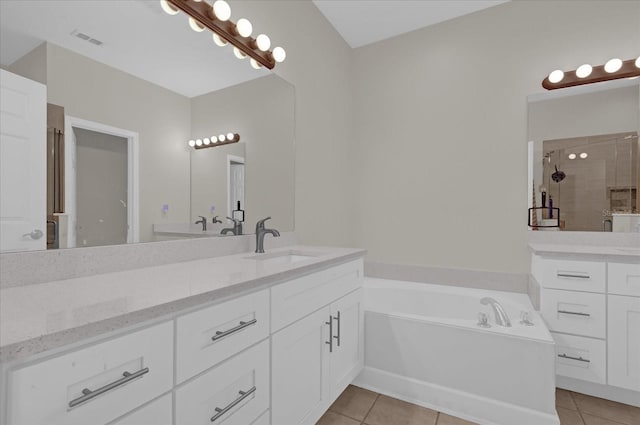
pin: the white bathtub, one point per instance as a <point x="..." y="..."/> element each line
<point x="423" y="345"/>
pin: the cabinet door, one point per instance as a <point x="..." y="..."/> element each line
<point x="300" y="361"/>
<point x="158" y="412"/>
<point x="347" y="358"/>
<point x="624" y="342"/>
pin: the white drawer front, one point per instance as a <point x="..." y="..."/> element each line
<point x="624" y="342"/>
<point x="571" y="275"/>
<point x="581" y="358"/>
<point x="43" y="393"/>
<point x="207" y="337"/>
<point x="580" y="313"/>
<point x="238" y="389"/>
<point x="158" y="412"/>
<point x="264" y="419"/>
<point x="297" y="298"/>
<point x="624" y="279"/>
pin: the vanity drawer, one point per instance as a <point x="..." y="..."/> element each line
<point x="234" y="393"/>
<point x="297" y="298"/>
<point x="624" y="279"/>
<point x="581" y="358"/>
<point x="158" y="412"/>
<point x="580" y="313"/>
<point x="51" y="392"/>
<point x="207" y="337"/>
<point x="586" y="276"/>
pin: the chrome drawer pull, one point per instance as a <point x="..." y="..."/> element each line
<point x="242" y="325"/>
<point x="579" y="276"/>
<point x="338" y="333"/>
<point x="580" y="359"/>
<point x="575" y="313"/>
<point x="243" y="395"/>
<point x="88" y="394"/>
<point x="330" y="342"/>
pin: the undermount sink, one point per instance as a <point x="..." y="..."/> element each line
<point x="286" y="257"/>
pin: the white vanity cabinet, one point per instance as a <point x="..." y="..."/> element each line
<point x="592" y="309"/>
<point x="316" y="357"/>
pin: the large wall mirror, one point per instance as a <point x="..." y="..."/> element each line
<point x="127" y="86"/>
<point x="583" y="158"/>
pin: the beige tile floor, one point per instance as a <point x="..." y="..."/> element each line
<point x="357" y="406"/>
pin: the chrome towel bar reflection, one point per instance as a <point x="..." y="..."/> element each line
<point x="575" y="313"/>
<point x="243" y="395"/>
<point x="242" y="325"/>
<point x="88" y="394"/>
<point x="580" y="359"/>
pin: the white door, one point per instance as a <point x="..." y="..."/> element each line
<point x="624" y="342"/>
<point x="299" y="372"/>
<point x="23" y="146"/>
<point x="347" y="359"/>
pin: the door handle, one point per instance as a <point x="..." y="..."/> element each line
<point x="337" y="336"/>
<point x="35" y="234"/>
<point x="330" y="342"/>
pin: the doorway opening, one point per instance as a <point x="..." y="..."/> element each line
<point x="235" y="183"/>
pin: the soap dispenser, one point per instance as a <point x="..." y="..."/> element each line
<point x="238" y="213"/>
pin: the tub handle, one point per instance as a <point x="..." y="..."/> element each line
<point x="580" y="359"/>
<point x="575" y="313"/>
<point x="337" y="337"/>
<point x="330" y="342"/>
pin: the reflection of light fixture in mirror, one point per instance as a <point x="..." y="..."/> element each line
<point x="213" y="141"/>
<point x="572" y="156"/>
<point x="586" y="74"/>
<point x="216" y="18"/>
<point x="584" y="155"/>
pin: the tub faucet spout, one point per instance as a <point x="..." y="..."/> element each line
<point x="501" y="316"/>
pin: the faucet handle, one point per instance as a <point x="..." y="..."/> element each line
<point x="216" y="219"/>
<point x="202" y="217"/>
<point x="260" y="223"/>
<point x="235" y="220"/>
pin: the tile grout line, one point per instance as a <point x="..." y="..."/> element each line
<point x="370" y="409"/>
<point x="577" y="407"/>
<point x="580" y="412"/>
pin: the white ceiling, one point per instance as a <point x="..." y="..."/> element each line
<point x="361" y="22"/>
<point x="139" y="38"/>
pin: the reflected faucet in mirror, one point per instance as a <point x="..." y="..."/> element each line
<point x="235" y="230"/>
<point x="260" y="232"/>
<point x="216" y="220"/>
<point x="202" y="221"/>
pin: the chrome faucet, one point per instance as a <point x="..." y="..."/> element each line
<point x="202" y="221"/>
<point x="236" y="229"/>
<point x="260" y="232"/>
<point x="501" y="316"/>
<point x="216" y="220"/>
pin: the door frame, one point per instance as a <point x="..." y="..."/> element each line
<point x="133" y="154"/>
<point x="238" y="160"/>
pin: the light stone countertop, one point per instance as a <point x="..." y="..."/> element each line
<point x="40" y="317"/>
<point x="610" y="253"/>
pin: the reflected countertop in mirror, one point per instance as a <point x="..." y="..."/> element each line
<point x="583" y="158"/>
<point x="151" y="89"/>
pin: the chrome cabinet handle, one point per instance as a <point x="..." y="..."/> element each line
<point x="580" y="359"/>
<point x="242" y="325"/>
<point x="34" y="234"/>
<point x="575" y="313"/>
<point x="243" y="395"/>
<point x="88" y="394"/>
<point x="579" y="276"/>
<point x="330" y="342"/>
<point x="338" y="333"/>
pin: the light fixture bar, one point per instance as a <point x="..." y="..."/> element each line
<point x="598" y="74"/>
<point x="214" y="141"/>
<point x="202" y="12"/>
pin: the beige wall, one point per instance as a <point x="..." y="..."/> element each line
<point x="33" y="65"/>
<point x="440" y="127"/>
<point x="95" y="92"/>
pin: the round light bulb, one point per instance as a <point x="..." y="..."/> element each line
<point x="199" y="142"/>
<point x="556" y="76"/>
<point x="584" y="155"/>
<point x="206" y="141"/>
<point x="572" y="156"/>
<point x="255" y="64"/>
<point x="214" y="139"/>
<point x="638" y="62"/>
<point x="584" y="71"/>
<point x="244" y="27"/>
<point x="229" y="136"/>
<point x="263" y="42"/>
<point x="613" y="65"/>
<point x="195" y="25"/>
<point x="192" y="143"/>
<point x="279" y="55"/>
<point x="168" y="8"/>
<point x="221" y="138"/>
<point x="238" y="53"/>
<point x="219" y="40"/>
<point x="222" y="10"/>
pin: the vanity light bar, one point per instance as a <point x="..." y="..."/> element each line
<point x="216" y="18"/>
<point x="586" y="74"/>
<point x="214" y="141"/>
